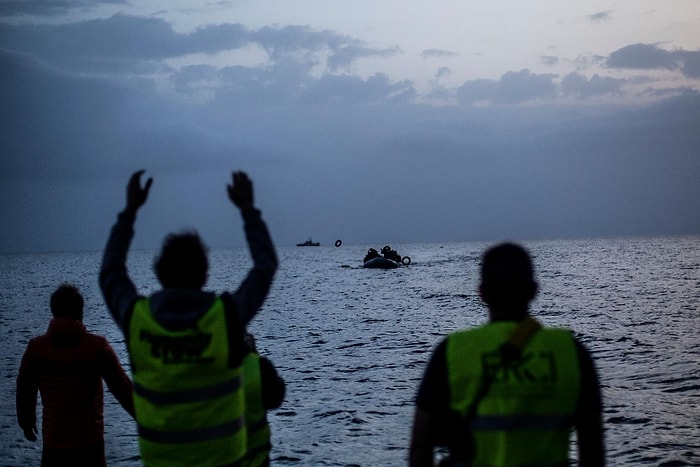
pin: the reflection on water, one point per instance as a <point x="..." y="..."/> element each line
<point x="352" y="343"/>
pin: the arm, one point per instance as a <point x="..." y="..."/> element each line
<point x="273" y="386"/>
<point x="252" y="292"/>
<point x="589" y="422"/>
<point x="420" y="452"/>
<point x="117" y="380"/>
<point x="27" y="389"/>
<point x="429" y="426"/>
<point x="117" y="288"/>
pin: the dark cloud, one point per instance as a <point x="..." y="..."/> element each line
<point x="305" y="45"/>
<point x="600" y="17"/>
<point x="351" y="90"/>
<point x="10" y="8"/>
<point x="651" y="56"/>
<point x="437" y="53"/>
<point x="642" y="56"/>
<point x="512" y="88"/>
<point x="69" y="144"/>
<point x="549" y="60"/>
<point x="326" y="148"/>
<point x="575" y="84"/>
<point x="691" y="63"/>
<point x="442" y="71"/>
<point x="125" y="41"/>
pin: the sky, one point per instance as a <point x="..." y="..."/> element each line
<point x="372" y="122"/>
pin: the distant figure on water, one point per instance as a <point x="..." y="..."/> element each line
<point x="508" y="393"/>
<point x="390" y="253"/>
<point x="264" y="390"/>
<point x="371" y="254"/>
<point x="66" y="366"/>
<point x="187" y="344"/>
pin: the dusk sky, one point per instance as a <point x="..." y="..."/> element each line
<point x="376" y="122"/>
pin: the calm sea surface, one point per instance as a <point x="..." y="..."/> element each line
<point x="352" y="343"/>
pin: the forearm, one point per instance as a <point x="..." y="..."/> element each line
<point x="420" y="453"/>
<point x="118" y="290"/>
<point x="589" y="415"/>
<point x="25" y="400"/>
<point x="259" y="241"/>
<point x="255" y="287"/>
<point x="118" y="382"/>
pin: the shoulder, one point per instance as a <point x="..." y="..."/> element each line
<point x="33" y="346"/>
<point x="100" y="343"/>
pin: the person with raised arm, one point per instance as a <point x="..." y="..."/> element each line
<point x="186" y="344"/>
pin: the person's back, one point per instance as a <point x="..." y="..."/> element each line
<point x="66" y="366"/>
<point x="508" y="393"/>
<point x="525" y="415"/>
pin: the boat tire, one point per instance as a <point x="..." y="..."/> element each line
<point x="338" y="243"/>
<point x="406" y="260"/>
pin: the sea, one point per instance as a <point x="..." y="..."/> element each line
<point x="352" y="344"/>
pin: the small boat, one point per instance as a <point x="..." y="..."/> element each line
<point x="308" y="242"/>
<point x="380" y="262"/>
<point x="389" y="259"/>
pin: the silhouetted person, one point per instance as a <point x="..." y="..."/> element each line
<point x="186" y="344"/>
<point x="371" y="254"/>
<point x="508" y="405"/>
<point x="66" y="366"/>
<point x="264" y="390"/>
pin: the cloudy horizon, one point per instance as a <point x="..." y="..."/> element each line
<point x="372" y="123"/>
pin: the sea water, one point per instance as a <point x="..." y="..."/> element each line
<point x="352" y="343"/>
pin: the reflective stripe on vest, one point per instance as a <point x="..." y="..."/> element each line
<point x="189" y="404"/>
<point x="526" y="416"/>
<point x="258" y="430"/>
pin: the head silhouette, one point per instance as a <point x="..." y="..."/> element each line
<point x="182" y="262"/>
<point x="507" y="278"/>
<point x="66" y="302"/>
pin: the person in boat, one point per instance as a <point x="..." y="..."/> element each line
<point x="371" y="254"/>
<point x="66" y="366"/>
<point x="186" y="344"/>
<point x="391" y="254"/>
<point x="264" y="391"/>
<point x="508" y="392"/>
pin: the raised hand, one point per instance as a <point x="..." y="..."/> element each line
<point x="135" y="194"/>
<point x="240" y="192"/>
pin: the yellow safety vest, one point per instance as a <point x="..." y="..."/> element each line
<point x="258" y="430"/>
<point x="526" y="416"/>
<point x="189" y="403"/>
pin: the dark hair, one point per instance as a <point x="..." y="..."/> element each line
<point x="507" y="277"/>
<point x="66" y="302"/>
<point x="182" y="263"/>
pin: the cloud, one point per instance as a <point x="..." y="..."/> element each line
<point x="48" y="7"/>
<point x="344" y="151"/>
<point x="512" y="88"/>
<point x="85" y="104"/>
<point x="442" y="71"/>
<point x="549" y="60"/>
<point x="691" y="63"/>
<point x="352" y="90"/>
<point x="575" y="84"/>
<point x="651" y="56"/>
<point x="600" y="17"/>
<point x="437" y="53"/>
<point x="642" y="56"/>
<point x="123" y="41"/>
